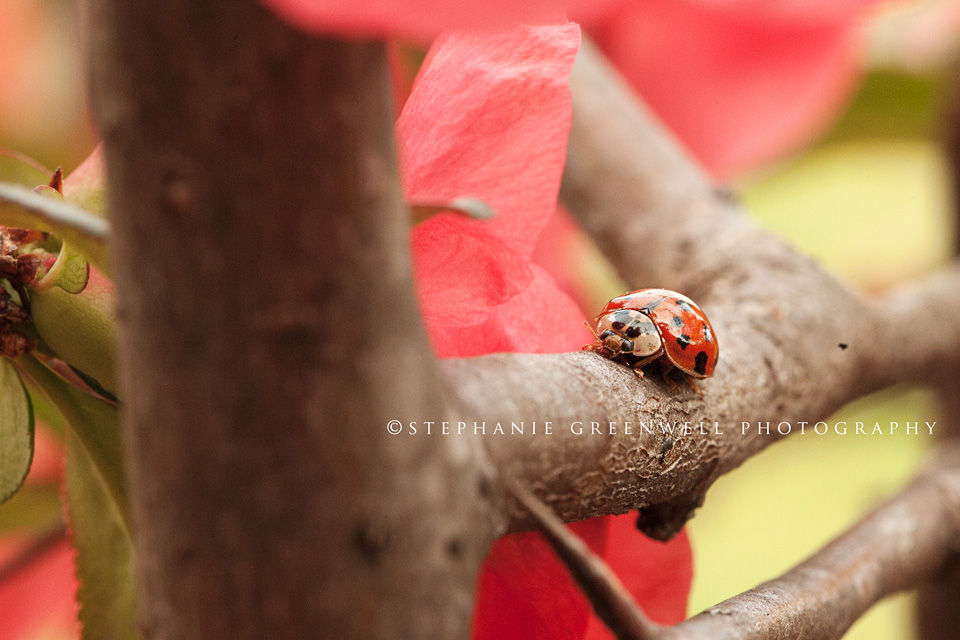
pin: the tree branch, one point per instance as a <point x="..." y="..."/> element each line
<point x="269" y="330"/>
<point x="795" y="343"/>
<point x="901" y="545"/>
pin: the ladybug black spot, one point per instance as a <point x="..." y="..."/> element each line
<point x="633" y="332"/>
<point x="617" y="325"/>
<point x="683" y="304"/>
<point x="700" y="363"/>
<point x="843" y="346"/>
<point x="707" y="334"/>
<point x="684" y="341"/>
<point x="676" y="321"/>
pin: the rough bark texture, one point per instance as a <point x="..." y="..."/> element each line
<point x="780" y="321"/>
<point x="269" y="331"/>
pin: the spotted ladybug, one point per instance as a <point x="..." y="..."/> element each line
<point x="641" y="326"/>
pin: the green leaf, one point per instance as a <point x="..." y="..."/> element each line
<point x="96" y="423"/>
<point x="45" y="412"/>
<point x="20" y="169"/>
<point x="33" y="508"/>
<point x="16" y="431"/>
<point x="80" y="328"/>
<point x="105" y="557"/>
<point x="70" y="272"/>
<point x="21" y="207"/>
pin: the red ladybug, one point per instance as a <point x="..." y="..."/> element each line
<point x="638" y="327"/>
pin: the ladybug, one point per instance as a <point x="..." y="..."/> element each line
<point x="641" y="326"/>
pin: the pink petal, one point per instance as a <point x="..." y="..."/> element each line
<point x="38" y="601"/>
<point x="563" y="251"/>
<point x="462" y="272"/>
<point x="525" y="593"/>
<point x="540" y="319"/>
<point x="488" y="118"/>
<point x="90" y="175"/>
<point x="739" y="84"/>
<point x="423" y="19"/>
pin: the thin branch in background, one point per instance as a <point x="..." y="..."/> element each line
<point x="33" y="551"/>
<point x="610" y="599"/>
<point x="899" y="546"/>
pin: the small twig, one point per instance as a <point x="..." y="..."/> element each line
<point x="610" y="599"/>
<point x="21" y="207"/>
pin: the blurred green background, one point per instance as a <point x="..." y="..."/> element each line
<point x="871" y="201"/>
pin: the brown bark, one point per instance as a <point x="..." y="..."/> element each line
<point x="269" y="331"/>
<point x="780" y="321"/>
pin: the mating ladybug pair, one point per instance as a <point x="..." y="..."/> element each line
<point x="639" y="327"/>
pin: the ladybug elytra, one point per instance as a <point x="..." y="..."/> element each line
<point x="639" y="327"/>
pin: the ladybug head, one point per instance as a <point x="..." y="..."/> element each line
<point x="628" y="331"/>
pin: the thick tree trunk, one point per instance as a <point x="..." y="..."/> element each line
<point x="269" y="333"/>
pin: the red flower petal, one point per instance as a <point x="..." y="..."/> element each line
<point x="488" y="118"/>
<point x="38" y="601"/>
<point x="657" y="574"/>
<point x="424" y="19"/>
<point x="541" y="319"/>
<point x="740" y="83"/>
<point x="462" y="271"/>
<point x="525" y="593"/>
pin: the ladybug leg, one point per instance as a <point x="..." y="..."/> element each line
<point x="639" y="372"/>
<point x="671" y="383"/>
<point x="666" y="369"/>
<point x="693" y="385"/>
<point x="596" y="347"/>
